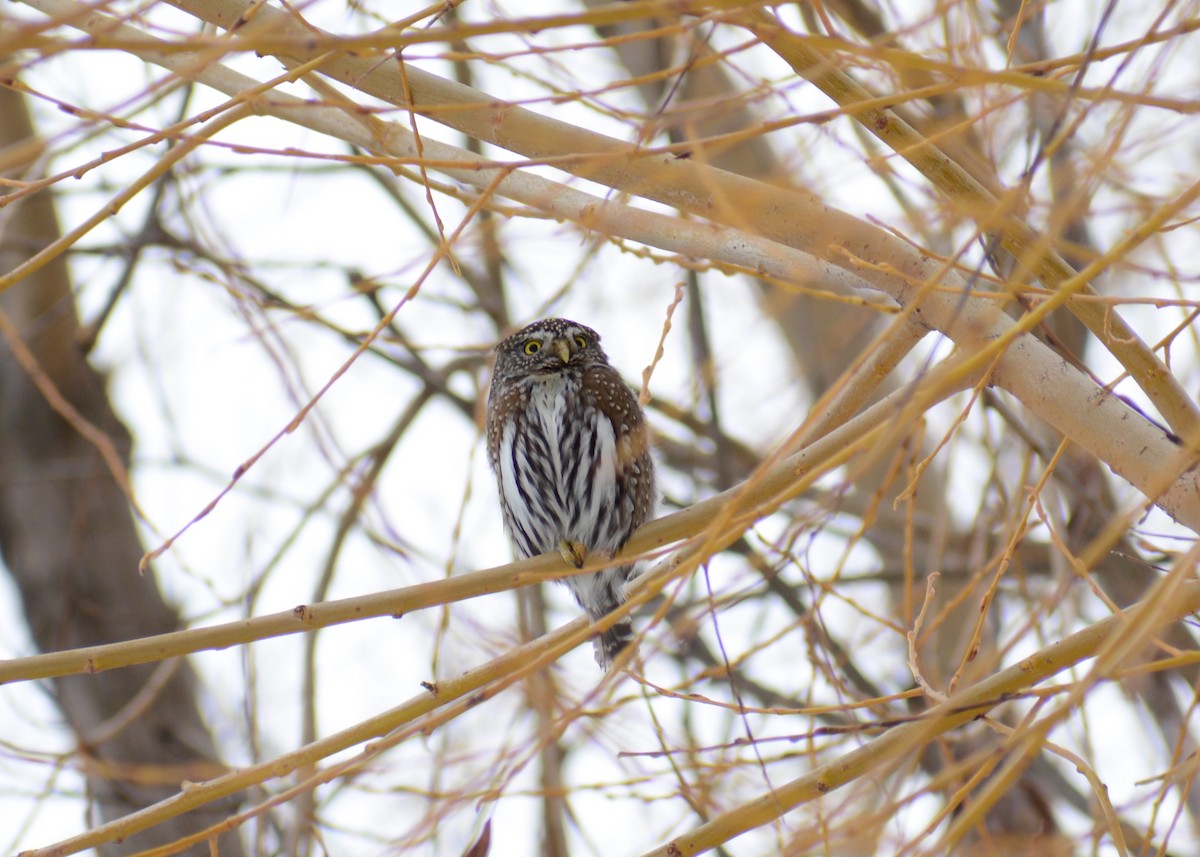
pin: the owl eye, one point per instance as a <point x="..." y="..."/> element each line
<point x="533" y="346"/>
<point x="581" y="341"/>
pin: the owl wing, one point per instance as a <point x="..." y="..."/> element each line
<point x="624" y="471"/>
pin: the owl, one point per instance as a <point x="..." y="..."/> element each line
<point x="568" y="443"/>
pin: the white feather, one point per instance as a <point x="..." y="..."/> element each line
<point x="548" y="400"/>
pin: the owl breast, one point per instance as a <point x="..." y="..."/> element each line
<point x="558" y="465"/>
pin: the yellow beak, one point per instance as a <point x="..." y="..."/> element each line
<point x="563" y="349"/>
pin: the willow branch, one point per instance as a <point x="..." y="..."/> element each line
<point x="1133" y="447"/>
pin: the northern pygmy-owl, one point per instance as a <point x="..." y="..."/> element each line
<point x="569" y="445"/>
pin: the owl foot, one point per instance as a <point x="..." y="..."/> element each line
<point x="571" y="552"/>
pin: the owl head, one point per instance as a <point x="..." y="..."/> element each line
<point x="548" y="347"/>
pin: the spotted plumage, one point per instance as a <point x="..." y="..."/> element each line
<point x="568" y="443"/>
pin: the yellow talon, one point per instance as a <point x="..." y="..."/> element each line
<point x="571" y="552"/>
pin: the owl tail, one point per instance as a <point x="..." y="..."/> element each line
<point x="612" y="642"/>
<point x="599" y="594"/>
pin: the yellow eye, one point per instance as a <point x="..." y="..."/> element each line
<point x="581" y="341"/>
<point x="533" y="346"/>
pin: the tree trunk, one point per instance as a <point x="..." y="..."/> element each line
<point x="67" y="537"/>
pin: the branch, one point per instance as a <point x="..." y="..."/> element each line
<point x="1131" y="445"/>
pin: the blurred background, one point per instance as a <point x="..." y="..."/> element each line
<point x="249" y="298"/>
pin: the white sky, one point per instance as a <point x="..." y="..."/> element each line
<point x="201" y="394"/>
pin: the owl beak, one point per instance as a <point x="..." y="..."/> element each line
<point x="563" y="349"/>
